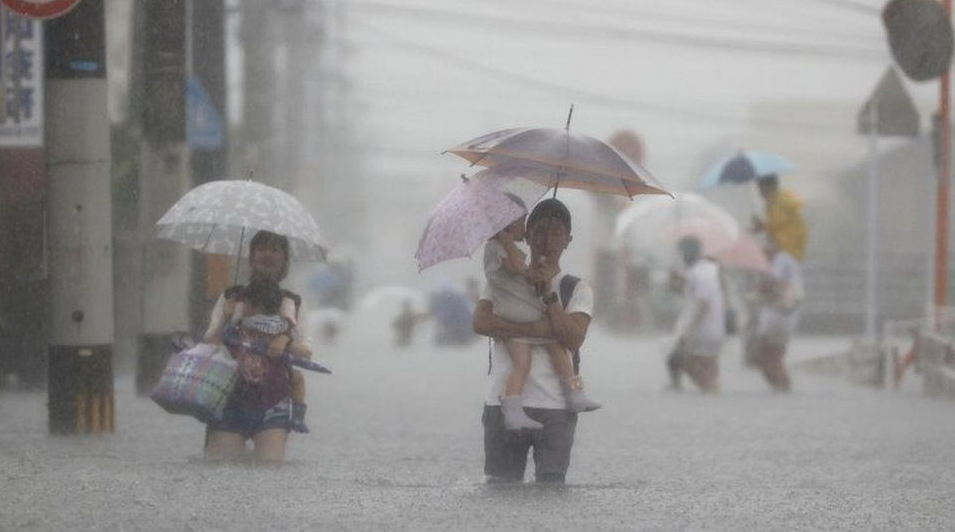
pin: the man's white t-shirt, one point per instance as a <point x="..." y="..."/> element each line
<point x="703" y="284"/>
<point x="542" y="389"/>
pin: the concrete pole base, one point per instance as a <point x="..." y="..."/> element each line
<point x="81" y="389"/>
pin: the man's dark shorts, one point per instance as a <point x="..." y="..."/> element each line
<point x="505" y="452"/>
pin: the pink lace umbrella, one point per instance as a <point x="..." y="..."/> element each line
<point x="473" y="212"/>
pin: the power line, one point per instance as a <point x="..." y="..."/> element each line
<point x="583" y="95"/>
<point x="578" y="30"/>
<point x="850" y="5"/>
<point x="722" y="23"/>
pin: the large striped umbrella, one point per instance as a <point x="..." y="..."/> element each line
<point x="562" y="158"/>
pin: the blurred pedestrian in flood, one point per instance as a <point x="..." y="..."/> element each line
<point x="332" y="284"/>
<point x="451" y="310"/>
<point x="700" y="329"/>
<point x="781" y="291"/>
<point x="784" y="221"/>
<point x="405" y="324"/>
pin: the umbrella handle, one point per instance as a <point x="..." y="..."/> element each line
<point x="570" y="115"/>
<point x="238" y="258"/>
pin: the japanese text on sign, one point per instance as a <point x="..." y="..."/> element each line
<point x="21" y="80"/>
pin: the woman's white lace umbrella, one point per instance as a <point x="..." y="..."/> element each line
<point x="222" y="216"/>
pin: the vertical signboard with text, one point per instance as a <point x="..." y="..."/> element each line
<point x="21" y="81"/>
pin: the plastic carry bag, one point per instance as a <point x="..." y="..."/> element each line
<point x="197" y="382"/>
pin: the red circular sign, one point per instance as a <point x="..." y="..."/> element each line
<point x="40" y="8"/>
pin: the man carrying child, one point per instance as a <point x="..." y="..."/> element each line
<point x="567" y="303"/>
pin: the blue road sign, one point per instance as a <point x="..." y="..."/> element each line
<point x="204" y="127"/>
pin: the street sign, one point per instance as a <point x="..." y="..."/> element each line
<point x="41" y="9"/>
<point x="21" y="81"/>
<point x="920" y="36"/>
<point x="895" y="114"/>
<point x="888" y="112"/>
<point x="204" y="127"/>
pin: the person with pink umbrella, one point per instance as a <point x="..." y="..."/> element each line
<point x="515" y="299"/>
<point x="568" y="304"/>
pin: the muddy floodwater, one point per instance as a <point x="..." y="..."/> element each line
<point x="396" y="445"/>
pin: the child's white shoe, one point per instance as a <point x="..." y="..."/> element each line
<point x="577" y="399"/>
<point x="514" y="416"/>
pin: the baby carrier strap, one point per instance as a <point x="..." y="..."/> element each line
<point x="567" y="286"/>
<point x="297" y="299"/>
<point x="236" y="291"/>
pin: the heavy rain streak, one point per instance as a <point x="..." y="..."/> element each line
<point x="476" y="265"/>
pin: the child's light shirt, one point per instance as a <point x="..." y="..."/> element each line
<point x="513" y="297"/>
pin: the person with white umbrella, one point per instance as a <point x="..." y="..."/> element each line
<point x="219" y="217"/>
<point x="266" y="418"/>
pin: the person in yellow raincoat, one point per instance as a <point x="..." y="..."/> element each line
<point x="784" y="221"/>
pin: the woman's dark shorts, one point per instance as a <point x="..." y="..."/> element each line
<point x="249" y="422"/>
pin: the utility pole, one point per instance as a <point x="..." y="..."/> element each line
<point x="258" y="92"/>
<point x="943" y="196"/>
<point x="297" y="52"/>
<point x="164" y="179"/>
<point x="80" y="238"/>
<point x="209" y="155"/>
<point x="333" y="161"/>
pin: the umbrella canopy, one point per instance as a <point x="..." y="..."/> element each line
<point x="745" y="166"/>
<point x="714" y="237"/>
<point x="739" y="251"/>
<point x="643" y="228"/>
<point x="222" y="216"/>
<point x="745" y="254"/>
<point x="560" y="157"/>
<point x="472" y="213"/>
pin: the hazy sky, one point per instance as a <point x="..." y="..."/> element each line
<point x="685" y="74"/>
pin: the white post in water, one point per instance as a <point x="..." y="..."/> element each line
<point x="80" y="229"/>
<point x="872" y="296"/>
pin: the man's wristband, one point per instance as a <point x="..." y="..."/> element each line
<point x="548" y="299"/>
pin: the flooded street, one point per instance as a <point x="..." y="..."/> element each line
<point x="218" y="166"/>
<point x="396" y="445"/>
